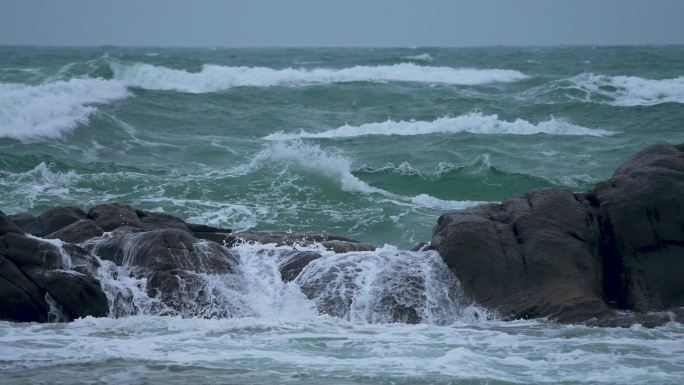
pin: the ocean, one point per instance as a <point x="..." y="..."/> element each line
<point x="368" y="143"/>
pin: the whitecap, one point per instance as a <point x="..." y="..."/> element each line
<point x="48" y="110"/>
<point x="473" y="122"/>
<point x="631" y="90"/>
<point x="422" y="57"/>
<point x="214" y="78"/>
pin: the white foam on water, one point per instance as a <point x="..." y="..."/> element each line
<point x="30" y="186"/>
<point x="422" y="57"/>
<point x="212" y="78"/>
<point x="30" y="112"/>
<point x="631" y="90"/>
<point x="473" y="122"/>
<point x="330" y="350"/>
<point x="384" y="286"/>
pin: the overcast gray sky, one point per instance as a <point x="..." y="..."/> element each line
<point x="340" y="22"/>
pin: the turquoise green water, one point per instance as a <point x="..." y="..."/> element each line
<point x="183" y="130"/>
<point x="369" y="143"/>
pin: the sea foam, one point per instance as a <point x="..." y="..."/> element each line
<point x="48" y="110"/>
<point x="474" y="122"/>
<point x="216" y="78"/>
<point x="632" y="90"/>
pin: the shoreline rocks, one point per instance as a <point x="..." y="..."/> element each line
<point x="49" y="272"/>
<point x="610" y="256"/>
<point x="577" y="257"/>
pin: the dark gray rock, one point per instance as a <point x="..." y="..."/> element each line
<point x="168" y="249"/>
<point x="28" y="223"/>
<point x="8" y="226"/>
<point x="531" y="256"/>
<point x="30" y="254"/>
<point x="578" y="257"/>
<point x="77" y="232"/>
<point x="338" y="246"/>
<point x="159" y="221"/>
<point x="641" y="214"/>
<point x="110" y="216"/>
<point x="291" y="269"/>
<point x="59" y="217"/>
<point x="21" y="299"/>
<point x="78" y="295"/>
<point x="335" y="243"/>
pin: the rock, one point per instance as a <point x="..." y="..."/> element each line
<point x="421" y="246"/>
<point x="335" y="243"/>
<point x="577" y="257"/>
<point x="168" y="249"/>
<point x="190" y="294"/>
<point x="159" y="221"/>
<point x="30" y="254"/>
<point x="29" y="223"/>
<point x="59" y="217"/>
<point x="77" y="232"/>
<point x="77" y="294"/>
<point x="346" y="246"/>
<point x="291" y="269"/>
<point x="21" y="299"/>
<point x="641" y="215"/>
<point x="7" y="226"/>
<point x="531" y="256"/>
<point x="222" y="238"/>
<point x="110" y="216"/>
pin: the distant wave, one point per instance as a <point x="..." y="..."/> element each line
<point x="473" y="122"/>
<point x="48" y="110"/>
<point x="422" y="57"/>
<point x="215" y="77"/>
<point x="632" y="90"/>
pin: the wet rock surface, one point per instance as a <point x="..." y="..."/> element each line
<point x="577" y="257"/>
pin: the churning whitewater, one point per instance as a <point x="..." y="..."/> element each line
<point x="370" y="144"/>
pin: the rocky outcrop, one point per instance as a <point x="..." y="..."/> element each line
<point x="577" y="257"/>
<point x="36" y="279"/>
<point x="50" y="263"/>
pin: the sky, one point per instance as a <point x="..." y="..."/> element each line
<point x="315" y="23"/>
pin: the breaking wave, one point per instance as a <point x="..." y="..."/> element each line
<point x="214" y="78"/>
<point x="631" y="90"/>
<point x="474" y="122"/>
<point x="338" y="168"/>
<point x="48" y="110"/>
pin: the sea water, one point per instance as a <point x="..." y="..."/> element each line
<point x="372" y="144"/>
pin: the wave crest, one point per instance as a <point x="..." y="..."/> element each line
<point x="338" y="168"/>
<point x="48" y="110"/>
<point x="631" y="91"/>
<point x="214" y="78"/>
<point x="474" y="122"/>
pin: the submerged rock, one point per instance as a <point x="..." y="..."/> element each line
<point x="334" y="243"/>
<point x="168" y="249"/>
<point x="577" y="257"/>
<point x="291" y="269"/>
